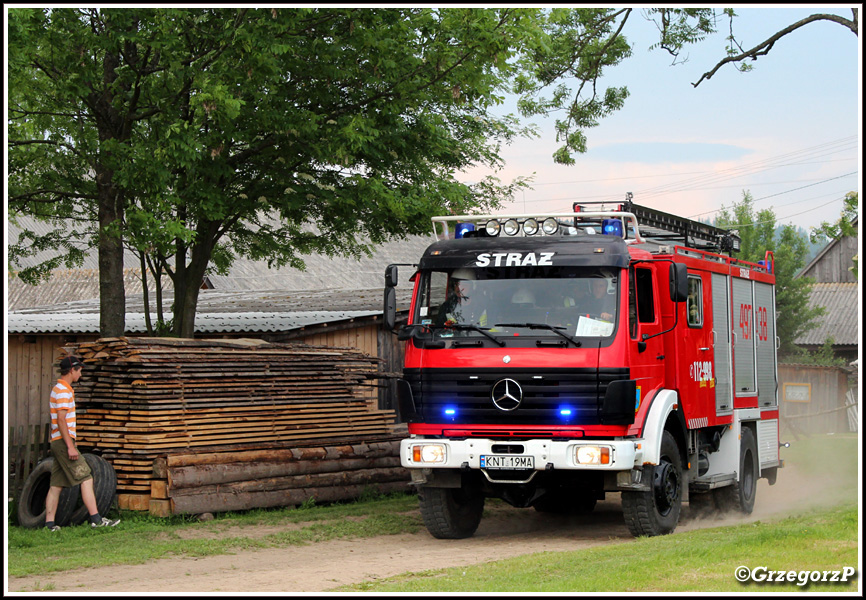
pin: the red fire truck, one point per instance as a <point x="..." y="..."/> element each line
<point x="553" y="358"/>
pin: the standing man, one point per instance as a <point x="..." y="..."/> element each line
<point x="70" y="469"/>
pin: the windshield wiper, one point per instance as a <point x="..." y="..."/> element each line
<point x="552" y="328"/>
<point x="481" y="330"/>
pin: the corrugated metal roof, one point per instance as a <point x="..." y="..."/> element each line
<point x="73" y="322"/>
<point x="840" y="322"/>
<point x="219" y="311"/>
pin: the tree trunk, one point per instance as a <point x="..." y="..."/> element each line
<point x="186" y="295"/>
<point x="112" y="295"/>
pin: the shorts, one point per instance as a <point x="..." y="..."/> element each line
<point x="65" y="472"/>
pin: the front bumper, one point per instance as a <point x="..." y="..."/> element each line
<point x="622" y="455"/>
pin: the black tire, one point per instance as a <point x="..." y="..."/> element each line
<point x="740" y="497"/>
<point x="451" y="513"/>
<point x="104" y="489"/>
<point x="31" y="502"/>
<point x="657" y="511"/>
<point x="565" y="504"/>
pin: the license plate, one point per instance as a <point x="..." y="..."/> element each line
<point x="507" y="462"/>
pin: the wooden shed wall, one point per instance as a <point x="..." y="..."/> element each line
<point x="825" y="411"/>
<point x="31" y="372"/>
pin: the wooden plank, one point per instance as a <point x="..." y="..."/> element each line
<point x="159" y="488"/>
<point x="161" y="508"/>
<point x="221" y="474"/>
<point x="221" y="502"/>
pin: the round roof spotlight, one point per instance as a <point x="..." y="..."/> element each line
<point x="492" y="228"/>
<point x="550" y="226"/>
<point x="511" y="227"/>
<point x="530" y="227"/>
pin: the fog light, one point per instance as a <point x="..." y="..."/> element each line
<point x="511" y="227"/>
<point x="492" y="228"/>
<point x="530" y="227"/>
<point x="592" y="455"/>
<point x="550" y="226"/>
<point x="428" y="453"/>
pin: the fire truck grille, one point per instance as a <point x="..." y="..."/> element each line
<point x="540" y="396"/>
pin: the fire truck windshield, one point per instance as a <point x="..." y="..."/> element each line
<point x="533" y="301"/>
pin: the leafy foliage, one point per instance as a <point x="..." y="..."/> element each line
<point x="757" y="230"/>
<point x="270" y="134"/>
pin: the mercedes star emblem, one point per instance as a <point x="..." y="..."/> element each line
<point x="506" y="394"/>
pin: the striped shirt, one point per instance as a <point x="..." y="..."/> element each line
<point x="62" y="398"/>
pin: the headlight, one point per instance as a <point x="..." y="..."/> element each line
<point x="550" y="226"/>
<point x="492" y="228"/>
<point x="511" y="227"/>
<point x="530" y="227"/>
<point x="428" y="453"/>
<point x="592" y="455"/>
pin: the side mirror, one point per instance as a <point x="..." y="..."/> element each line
<point x="391" y="276"/>
<point x="679" y="282"/>
<point x="389" y="314"/>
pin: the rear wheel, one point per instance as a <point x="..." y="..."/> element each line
<point x="657" y="511"/>
<point x="451" y="513"/>
<point x="740" y="497"/>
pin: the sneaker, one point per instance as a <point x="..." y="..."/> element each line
<point x="105" y="523"/>
<point x="53" y="528"/>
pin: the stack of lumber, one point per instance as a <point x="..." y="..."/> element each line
<point x="144" y="399"/>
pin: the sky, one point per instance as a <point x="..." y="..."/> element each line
<point x="788" y="132"/>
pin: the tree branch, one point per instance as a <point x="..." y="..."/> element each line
<point x="764" y="47"/>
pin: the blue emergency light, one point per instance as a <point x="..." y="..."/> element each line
<point x="612" y="227"/>
<point x="463" y="229"/>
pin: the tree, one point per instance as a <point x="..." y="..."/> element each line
<point x="198" y="134"/>
<point x="584" y="42"/>
<point x="757" y="231"/>
<point x="844" y="227"/>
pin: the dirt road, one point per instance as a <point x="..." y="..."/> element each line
<point x="505" y="532"/>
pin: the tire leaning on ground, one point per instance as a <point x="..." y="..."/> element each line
<point x="31" y="501"/>
<point x="71" y="510"/>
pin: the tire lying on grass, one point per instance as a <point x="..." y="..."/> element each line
<point x="71" y="510"/>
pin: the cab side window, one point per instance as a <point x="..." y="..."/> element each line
<point x="646" y="312"/>
<point x="695" y="303"/>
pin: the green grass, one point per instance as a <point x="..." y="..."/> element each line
<point x="141" y="537"/>
<point x="695" y="561"/>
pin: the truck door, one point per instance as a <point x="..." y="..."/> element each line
<point x="721" y="337"/>
<point x="696" y="370"/>
<point x="647" y="367"/>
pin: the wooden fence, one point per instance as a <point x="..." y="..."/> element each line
<point x="27" y="446"/>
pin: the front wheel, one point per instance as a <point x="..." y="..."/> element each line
<point x="451" y="513"/>
<point x="657" y="511"/>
